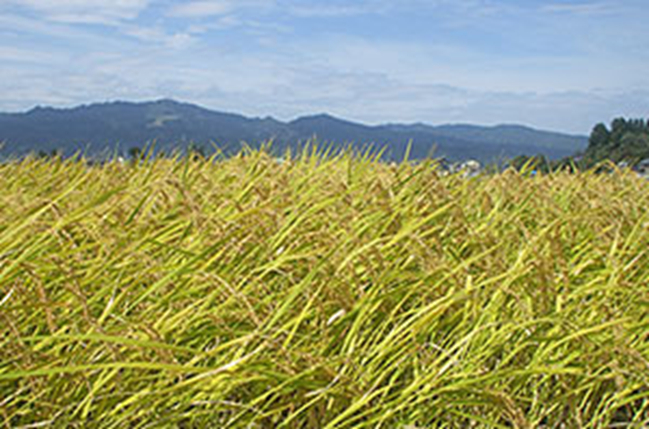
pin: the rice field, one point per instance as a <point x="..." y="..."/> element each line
<point x="322" y="292"/>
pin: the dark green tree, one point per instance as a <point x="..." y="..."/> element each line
<point x="196" y="152"/>
<point x="626" y="141"/>
<point x="600" y="136"/>
<point x="537" y="163"/>
<point x="135" y="153"/>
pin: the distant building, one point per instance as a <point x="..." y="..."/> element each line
<point x="470" y="168"/>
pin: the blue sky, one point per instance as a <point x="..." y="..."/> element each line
<point x="560" y="65"/>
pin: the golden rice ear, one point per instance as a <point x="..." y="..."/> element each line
<point x="323" y="289"/>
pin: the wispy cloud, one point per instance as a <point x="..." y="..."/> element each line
<point x="435" y="61"/>
<point x="10" y="54"/>
<point x="336" y="10"/>
<point x="211" y="8"/>
<point x="159" y="36"/>
<point x="84" y="11"/>
<point x="202" y="9"/>
<point x="590" y="8"/>
<point x="219" y="23"/>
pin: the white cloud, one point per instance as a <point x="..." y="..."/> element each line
<point x="286" y="87"/>
<point x="85" y="11"/>
<point x="592" y="8"/>
<point x="29" y="56"/>
<point x="159" y="36"/>
<point x="211" y="8"/>
<point x="179" y="41"/>
<point x="279" y="64"/>
<point x="220" y="23"/>
<point x="200" y="9"/>
<point x="333" y="10"/>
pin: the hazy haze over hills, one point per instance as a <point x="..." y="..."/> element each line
<point x="100" y="128"/>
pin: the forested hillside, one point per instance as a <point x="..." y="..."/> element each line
<point x="625" y="140"/>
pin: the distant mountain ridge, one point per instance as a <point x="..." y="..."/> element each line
<point x="100" y="128"/>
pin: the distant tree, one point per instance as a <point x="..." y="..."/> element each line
<point x="135" y="153"/>
<point x="626" y="141"/>
<point x="537" y="163"/>
<point x="518" y="162"/>
<point x="600" y="136"/>
<point x="636" y="125"/>
<point x="618" y="124"/>
<point x="633" y="147"/>
<point x="196" y="152"/>
<point x="53" y="154"/>
<point x="569" y="164"/>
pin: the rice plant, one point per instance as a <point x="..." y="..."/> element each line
<point x="325" y="291"/>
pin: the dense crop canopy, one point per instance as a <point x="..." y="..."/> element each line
<point x="320" y="292"/>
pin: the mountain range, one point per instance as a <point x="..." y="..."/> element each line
<point x="103" y="128"/>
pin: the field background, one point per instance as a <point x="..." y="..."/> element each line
<point x="320" y="292"/>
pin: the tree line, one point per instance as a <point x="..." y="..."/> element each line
<point x="625" y="141"/>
